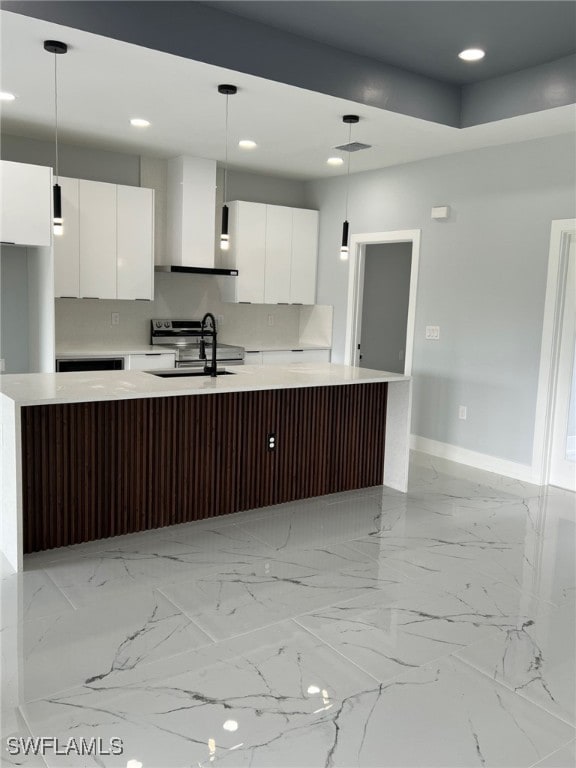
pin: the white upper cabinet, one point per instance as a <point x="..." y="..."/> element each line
<point x="106" y="250"/>
<point x="135" y="256"/>
<point x="25" y="204"/>
<point x="247" y="254"/>
<point x="97" y="240"/>
<point x="278" y="255"/>
<point x="67" y="245"/>
<point x="274" y="249"/>
<point x="304" y="256"/>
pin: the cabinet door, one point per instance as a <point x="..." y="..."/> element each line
<point x="248" y="246"/>
<point x="25" y="204"/>
<point x="253" y="358"/>
<point x="278" y="254"/>
<point x="67" y="245"/>
<point x="304" y="256"/>
<point x="151" y="360"/>
<point x="97" y="202"/>
<point x="315" y="356"/>
<point x="135" y="254"/>
<point x="279" y="357"/>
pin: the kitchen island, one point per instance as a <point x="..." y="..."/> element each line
<point x="92" y="455"/>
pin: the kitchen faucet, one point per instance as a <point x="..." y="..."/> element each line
<point x="211" y="369"/>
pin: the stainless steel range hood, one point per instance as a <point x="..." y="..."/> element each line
<point x="191" y="218"/>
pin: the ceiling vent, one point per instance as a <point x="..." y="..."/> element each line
<point x="354" y="146"/>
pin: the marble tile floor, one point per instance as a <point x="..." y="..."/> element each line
<point x="369" y="628"/>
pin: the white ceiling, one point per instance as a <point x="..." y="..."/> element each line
<point x="103" y="83"/>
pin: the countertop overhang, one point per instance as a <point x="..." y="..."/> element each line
<point x="49" y="388"/>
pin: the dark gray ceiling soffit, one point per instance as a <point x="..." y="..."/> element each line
<point x="530" y="90"/>
<point x="202" y="33"/>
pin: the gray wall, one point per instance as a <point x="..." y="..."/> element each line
<point x="80" y="162"/>
<point x="14" y="308"/>
<point x="482" y="279"/>
<point x="385" y="306"/>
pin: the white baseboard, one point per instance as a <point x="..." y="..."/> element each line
<point x="522" y="472"/>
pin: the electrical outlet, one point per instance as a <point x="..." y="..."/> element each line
<point x="270" y="319"/>
<point x="2" y="365"/>
<point x="115" y="318"/>
<point x="462" y="412"/>
<point x="433" y="332"/>
<point x="220" y="319"/>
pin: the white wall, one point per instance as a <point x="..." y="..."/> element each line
<point x="482" y="279"/>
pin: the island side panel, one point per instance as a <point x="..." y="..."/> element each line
<point x="397" y="457"/>
<point x="10" y="484"/>
<point x="100" y="469"/>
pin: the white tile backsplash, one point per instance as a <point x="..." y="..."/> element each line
<point x="87" y="322"/>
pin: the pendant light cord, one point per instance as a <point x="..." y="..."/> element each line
<point x="348" y="172"/>
<point x="56" y="111"/>
<point x="226" y="153"/>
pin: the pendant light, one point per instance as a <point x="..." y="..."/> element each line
<point x="56" y="47"/>
<point x="350" y="120"/>
<point x="225" y="90"/>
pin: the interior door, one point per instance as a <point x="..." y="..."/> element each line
<point x="563" y="449"/>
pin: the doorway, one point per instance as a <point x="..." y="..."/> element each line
<point x="563" y="440"/>
<point x="554" y="458"/>
<point x="382" y="291"/>
<point x="384" y="316"/>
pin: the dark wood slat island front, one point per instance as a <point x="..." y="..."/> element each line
<point x="100" y="469"/>
<point x="92" y="456"/>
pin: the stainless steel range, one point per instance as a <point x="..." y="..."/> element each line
<point x="192" y="350"/>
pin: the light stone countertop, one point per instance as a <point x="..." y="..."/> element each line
<point x="47" y="388"/>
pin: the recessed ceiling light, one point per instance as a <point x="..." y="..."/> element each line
<point x="472" y="54"/>
<point x="5" y="96"/>
<point x="335" y="161"/>
<point x="247" y="144"/>
<point x="139" y="122"/>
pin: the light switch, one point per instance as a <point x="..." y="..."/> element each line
<point x="462" y="412"/>
<point x="433" y="332"/>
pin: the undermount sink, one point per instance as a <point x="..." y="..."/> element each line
<point x="183" y="372"/>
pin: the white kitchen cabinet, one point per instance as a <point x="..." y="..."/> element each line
<point x="25" y="204"/>
<point x="274" y="249"/>
<point x="67" y="245"/>
<point x="278" y="255"/>
<point x="150" y="361"/>
<point x="135" y="239"/>
<point x="289" y="356"/>
<point x="304" y="256"/>
<point x="97" y="240"/>
<point x="106" y="250"/>
<point x="253" y="358"/>
<point x="247" y="254"/>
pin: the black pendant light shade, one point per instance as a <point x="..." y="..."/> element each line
<point x="224" y="237"/>
<point x="225" y="90"/>
<point x="57" y="209"/>
<point x="350" y="120"/>
<point x="56" y="47"/>
<point x="344" y="246"/>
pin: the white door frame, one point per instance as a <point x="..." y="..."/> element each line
<point x="358" y="245"/>
<point x="561" y="231"/>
